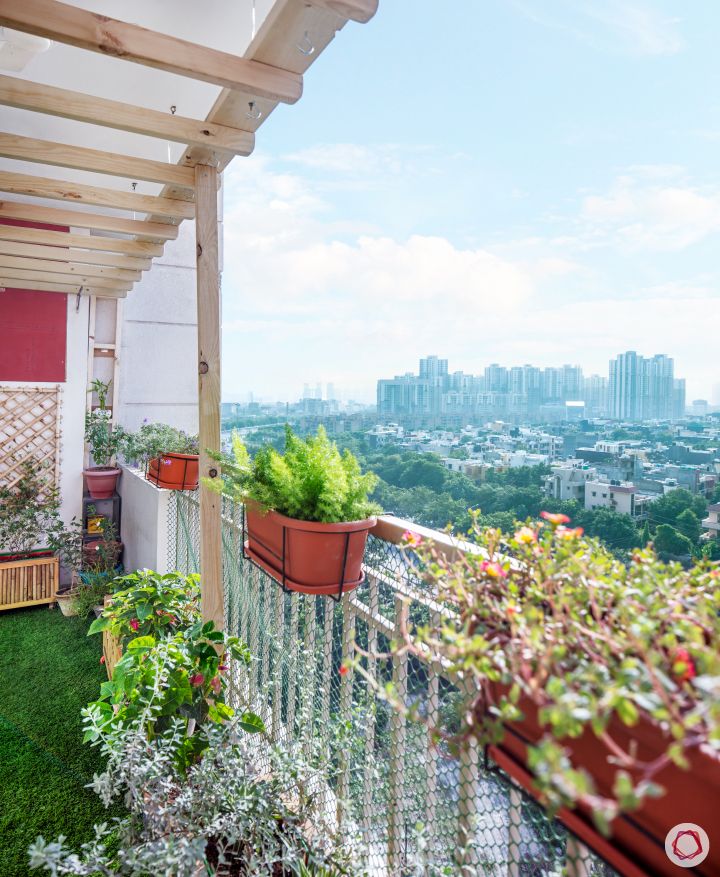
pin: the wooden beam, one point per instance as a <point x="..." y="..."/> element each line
<point x="80" y="219"/>
<point x="72" y="268"/>
<point x="84" y="159"/>
<point x="354" y="10"/>
<point x="73" y="289"/>
<point x="208" y="311"/>
<point x="34" y="251"/>
<point x="21" y="274"/>
<point x="84" y="241"/>
<point x="68" y="24"/>
<point x="79" y="193"/>
<point x="25" y="95"/>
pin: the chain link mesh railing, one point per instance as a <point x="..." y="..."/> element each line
<point x="408" y="807"/>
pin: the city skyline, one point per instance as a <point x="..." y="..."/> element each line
<point x="320" y="388"/>
<point x="499" y="210"/>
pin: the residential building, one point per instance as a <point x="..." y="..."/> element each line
<point x="568" y="480"/>
<point x="622" y="498"/>
<point x="711" y="524"/>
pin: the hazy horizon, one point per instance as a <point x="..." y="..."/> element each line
<point x="545" y="189"/>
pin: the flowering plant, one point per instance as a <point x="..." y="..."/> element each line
<point x="167" y="684"/>
<point x="147" y="603"/>
<point x="548" y="626"/>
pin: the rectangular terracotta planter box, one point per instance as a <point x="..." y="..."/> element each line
<point x="30" y="581"/>
<point x="636" y="844"/>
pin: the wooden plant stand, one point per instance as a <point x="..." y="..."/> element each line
<point x="28" y="582"/>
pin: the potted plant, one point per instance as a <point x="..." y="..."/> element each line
<point x="593" y="683"/>
<point x="307" y="511"/>
<point x="105" y="440"/>
<point x="28" y="574"/>
<point x="67" y="544"/>
<point x="168" y="455"/>
<point x="101" y="556"/>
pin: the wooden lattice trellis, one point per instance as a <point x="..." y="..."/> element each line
<point x="29" y="428"/>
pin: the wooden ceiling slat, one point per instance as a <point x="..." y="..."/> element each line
<point x="81" y="219"/>
<point x="84" y="159"/>
<point x="74" y="288"/>
<point x="73" y="268"/>
<point x="84" y="241"/>
<point x="21" y="275"/>
<point x="37" y="251"/>
<point x="66" y="104"/>
<point x="79" y="193"/>
<point x="130" y="42"/>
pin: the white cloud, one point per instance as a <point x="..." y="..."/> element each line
<point x="636" y="28"/>
<point x="646" y="212"/>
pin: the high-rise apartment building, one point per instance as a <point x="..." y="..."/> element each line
<point x="642" y="388"/>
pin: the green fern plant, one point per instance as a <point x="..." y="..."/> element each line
<point x="311" y="481"/>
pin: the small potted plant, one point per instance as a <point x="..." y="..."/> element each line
<point x="307" y="511"/>
<point x="105" y="440"/>
<point x="67" y="544"/>
<point x="28" y="509"/>
<point x="101" y="556"/>
<point x="168" y="455"/>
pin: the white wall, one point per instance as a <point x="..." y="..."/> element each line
<point x="144" y="522"/>
<point x="158" y="355"/>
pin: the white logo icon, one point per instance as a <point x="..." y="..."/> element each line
<point x="687" y="845"/>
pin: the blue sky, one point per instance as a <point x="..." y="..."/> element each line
<point x="506" y="180"/>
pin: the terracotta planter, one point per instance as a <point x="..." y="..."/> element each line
<point x="637" y="839"/>
<point x="306" y="556"/>
<point x="101" y="481"/>
<point x="174" y="471"/>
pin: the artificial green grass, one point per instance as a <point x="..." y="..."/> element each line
<point x="49" y="670"/>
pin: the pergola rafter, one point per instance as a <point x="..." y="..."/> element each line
<point x="109" y="258"/>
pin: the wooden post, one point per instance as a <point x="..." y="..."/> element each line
<point x="208" y="309"/>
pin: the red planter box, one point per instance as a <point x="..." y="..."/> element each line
<point x="306" y="556"/>
<point x="174" y="471"/>
<point x="637" y="843"/>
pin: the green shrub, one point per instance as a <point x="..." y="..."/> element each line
<point x="311" y="481"/>
<point x="154" y="439"/>
<point x="149" y="604"/>
<point x="551" y="622"/>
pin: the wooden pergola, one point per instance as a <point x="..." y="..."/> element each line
<point x="111" y="258"/>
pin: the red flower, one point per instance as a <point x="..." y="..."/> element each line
<point x="197" y="679"/>
<point x="555" y="519"/>
<point x="683" y="665"/>
<point x="343" y="670"/>
<point x="134" y="624"/>
<point x="216" y="684"/>
<point x="102" y="660"/>
<point x="223" y="667"/>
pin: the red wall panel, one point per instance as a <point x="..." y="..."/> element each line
<point x="32" y="328"/>
<point x="32" y="335"/>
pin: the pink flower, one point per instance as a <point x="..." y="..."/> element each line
<point x="197" y="679"/>
<point x="412" y="539"/>
<point x="566" y="533"/>
<point x="216" y="684"/>
<point x="134" y="624"/>
<point x="493" y="569"/>
<point x="554" y="519"/>
<point x="526" y="535"/>
<point x="223" y="667"/>
<point x="102" y="660"/>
